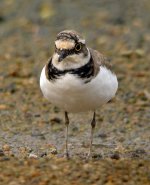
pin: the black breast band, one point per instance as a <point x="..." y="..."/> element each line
<point x="85" y="72"/>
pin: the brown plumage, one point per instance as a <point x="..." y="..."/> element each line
<point x="70" y="34"/>
<point x="99" y="60"/>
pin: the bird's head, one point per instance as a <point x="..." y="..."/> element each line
<point x="70" y="50"/>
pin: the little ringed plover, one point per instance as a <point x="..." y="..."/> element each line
<point x="77" y="78"/>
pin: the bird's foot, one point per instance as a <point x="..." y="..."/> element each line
<point x="67" y="156"/>
<point x="89" y="156"/>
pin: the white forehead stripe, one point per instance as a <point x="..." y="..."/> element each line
<point x="82" y="41"/>
<point x="65" y="44"/>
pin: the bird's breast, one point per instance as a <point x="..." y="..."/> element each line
<point x="72" y="94"/>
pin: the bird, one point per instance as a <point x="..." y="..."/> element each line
<point x="77" y="79"/>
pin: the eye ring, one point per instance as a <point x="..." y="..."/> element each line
<point x="78" y="47"/>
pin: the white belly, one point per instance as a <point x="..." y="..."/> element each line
<point x="73" y="95"/>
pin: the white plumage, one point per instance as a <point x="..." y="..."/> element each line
<point x="73" y="95"/>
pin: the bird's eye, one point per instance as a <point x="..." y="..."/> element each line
<point x="78" y="47"/>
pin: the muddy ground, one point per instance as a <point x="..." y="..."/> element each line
<point x="32" y="130"/>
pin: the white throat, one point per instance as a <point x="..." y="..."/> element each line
<point x="71" y="62"/>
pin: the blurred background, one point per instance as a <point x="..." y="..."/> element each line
<point x="120" y="30"/>
<point x="30" y="127"/>
<point x="106" y="24"/>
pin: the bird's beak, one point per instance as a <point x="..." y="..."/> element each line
<point x="62" y="55"/>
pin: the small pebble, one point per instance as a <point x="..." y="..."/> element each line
<point x="115" y="156"/>
<point x="43" y="154"/>
<point x="55" y="120"/>
<point x="1" y="153"/>
<point x="5" y="158"/>
<point x="87" y="167"/>
<point x="102" y="135"/>
<point x="6" y="147"/>
<point x="96" y="156"/>
<point x="22" y="149"/>
<point x="34" y="156"/>
<point x="3" y="107"/>
<point x="53" y="151"/>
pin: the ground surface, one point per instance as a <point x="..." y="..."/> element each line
<point x="31" y="127"/>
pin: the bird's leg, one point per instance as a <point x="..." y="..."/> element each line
<point x="93" y="123"/>
<point x="66" y="135"/>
